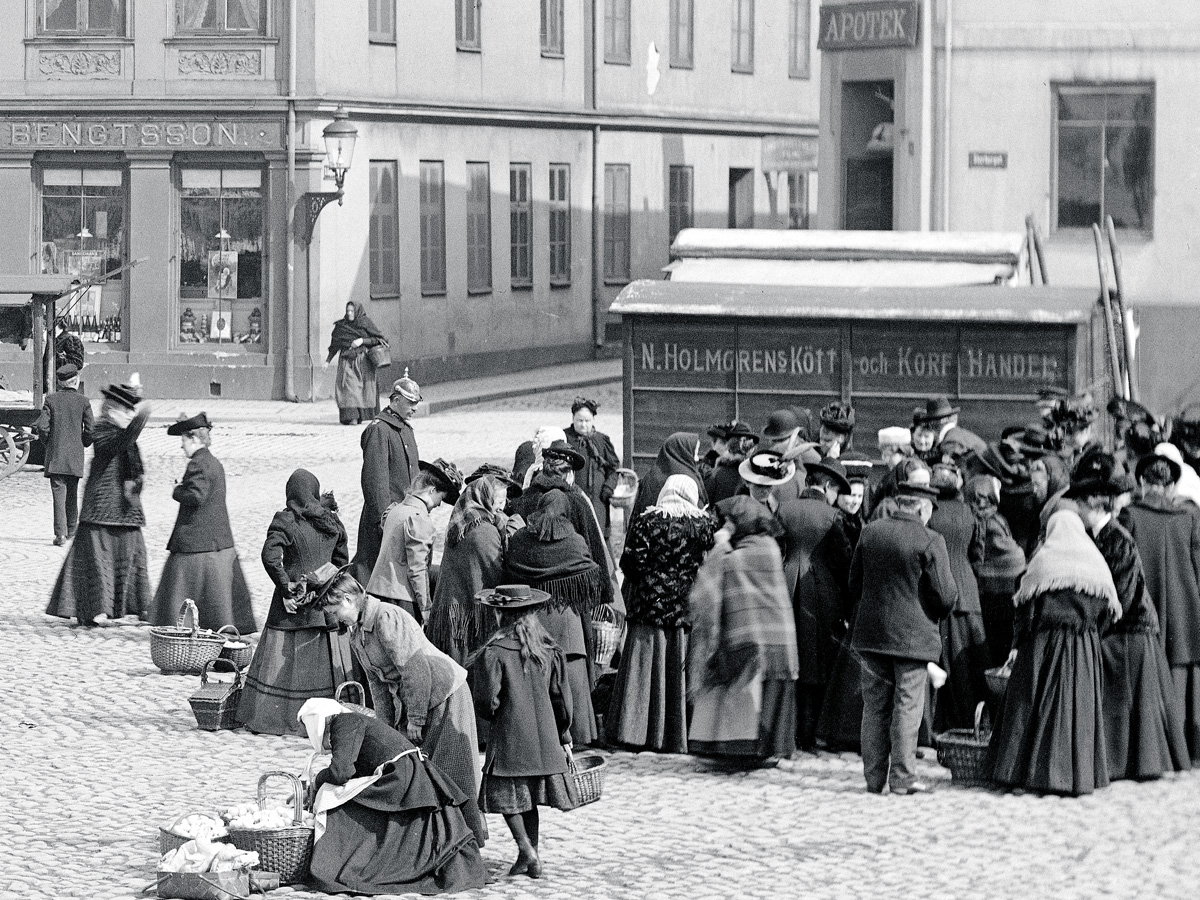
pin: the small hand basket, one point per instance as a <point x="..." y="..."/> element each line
<point x="215" y="704"/>
<point x="236" y="649"/>
<point x="183" y="650"/>
<point x="606" y="631"/>
<point x="360" y="707"/>
<point x="588" y="771"/>
<point x="287" y="851"/>
<point x="626" y="488"/>
<point x="964" y="752"/>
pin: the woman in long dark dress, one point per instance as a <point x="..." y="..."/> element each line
<point x="355" y="389"/>
<point x="300" y="655"/>
<point x="598" y="476"/>
<point x="663" y="551"/>
<point x="679" y="455"/>
<point x="1049" y="734"/>
<point x="998" y="562"/>
<point x="105" y="572"/>
<point x="402" y="832"/>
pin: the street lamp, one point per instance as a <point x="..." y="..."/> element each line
<point x="339" y="137"/>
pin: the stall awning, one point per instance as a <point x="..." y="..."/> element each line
<point x="1047" y="305"/>
<point x="15" y="290"/>
<point x="844" y="273"/>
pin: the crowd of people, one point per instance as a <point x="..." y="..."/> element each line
<point x="778" y="590"/>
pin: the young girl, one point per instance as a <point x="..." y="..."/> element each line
<point x="521" y="688"/>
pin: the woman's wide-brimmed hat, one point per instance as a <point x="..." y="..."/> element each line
<point x="839" y="417"/>
<point x="564" y="451"/>
<point x="447" y="475"/>
<point x="183" y="426"/>
<point x="316" y="584"/>
<point x="512" y="596"/>
<point x="1095" y="473"/>
<point x="935" y="408"/>
<point x="501" y="474"/>
<point x="126" y="395"/>
<point x="1147" y="461"/>
<point x="766" y="469"/>
<point x="834" y="470"/>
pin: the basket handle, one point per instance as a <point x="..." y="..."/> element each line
<point x="571" y="765"/>
<point x="237" y="673"/>
<point x="297" y="793"/>
<point x="237" y="635"/>
<point x="978" y="719"/>
<point x="362" y="692"/>
<point x="189" y="608"/>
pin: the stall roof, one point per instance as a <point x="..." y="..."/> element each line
<point x="943" y="246"/>
<point x="1046" y="305"/>
<point x="844" y="273"/>
<point x="15" y="290"/>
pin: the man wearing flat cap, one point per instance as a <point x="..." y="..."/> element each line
<point x="65" y="427"/>
<point x="389" y="467"/>
<point x="901" y="582"/>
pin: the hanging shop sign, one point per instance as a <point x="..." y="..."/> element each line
<point x="866" y="26"/>
<point x="789" y="153"/>
<point x="139" y="134"/>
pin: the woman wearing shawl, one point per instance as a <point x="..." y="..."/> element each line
<point x="549" y="555"/>
<point x="998" y="562"/>
<point x="354" y="388"/>
<point x="392" y="823"/>
<point x="598" y="476"/>
<point x="742" y="662"/>
<point x="679" y="455"/>
<point x="300" y="655"/>
<point x="1049" y="735"/>
<point x="663" y="551"/>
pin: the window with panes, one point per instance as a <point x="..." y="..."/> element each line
<point x="433" y="227"/>
<point x="616" y="223"/>
<point x="552" y="27"/>
<point x="682" y="37"/>
<point x="742" y="37"/>
<point x="383" y="229"/>
<point x="520" y="225"/>
<point x="560" y="224"/>
<point x="98" y="17"/>
<point x="679" y="201"/>
<point x="479" y="228"/>
<point x="616" y="31"/>
<point x="221" y="16"/>
<point x="221" y="225"/>
<point x="466" y="24"/>
<point x="799" y="27"/>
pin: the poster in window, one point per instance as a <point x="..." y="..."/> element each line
<point x="222" y="274"/>
<point x="85" y="264"/>
<point x="49" y="258"/>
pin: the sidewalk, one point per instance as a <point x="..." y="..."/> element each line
<point x="435" y="397"/>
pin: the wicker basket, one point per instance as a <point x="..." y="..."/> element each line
<point x="607" y="634"/>
<point x="169" y="840"/>
<point x="588" y="771"/>
<point x="997" y="684"/>
<point x="236" y="649"/>
<point x="360" y="707"/>
<point x="625" y="491"/>
<point x="287" y="851"/>
<point x="964" y="752"/>
<point x="215" y="705"/>
<point x="183" y="650"/>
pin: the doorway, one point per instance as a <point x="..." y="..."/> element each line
<point x="741" y="198"/>
<point x="868" y="116"/>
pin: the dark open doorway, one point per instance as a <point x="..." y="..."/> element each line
<point x="867" y="154"/>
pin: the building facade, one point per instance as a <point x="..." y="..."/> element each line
<point x="516" y="164"/>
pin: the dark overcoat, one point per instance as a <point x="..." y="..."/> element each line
<point x="901" y="582"/>
<point x="65" y="427"/>
<point x="389" y="467"/>
<point x="113" y="493"/>
<point x="955" y="521"/>
<point x="202" y="524"/>
<point x="1168" y="539"/>
<point x="598" y="477"/>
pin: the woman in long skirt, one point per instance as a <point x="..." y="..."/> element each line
<point x="105" y="572"/>
<point x="300" y="655"/>
<point x="355" y="389"/>
<point x="663" y="551"/>
<point x="202" y="563"/>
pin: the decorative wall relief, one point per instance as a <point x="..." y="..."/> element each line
<point x="80" y="63"/>
<point x="220" y="63"/>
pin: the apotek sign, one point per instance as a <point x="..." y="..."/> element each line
<point x="864" y="26"/>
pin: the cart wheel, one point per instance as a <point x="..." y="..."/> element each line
<point x="11" y="458"/>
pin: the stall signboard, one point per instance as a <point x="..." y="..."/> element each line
<point x="867" y="26"/>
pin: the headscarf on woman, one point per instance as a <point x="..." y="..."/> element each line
<point x="679" y="498"/>
<point x="304" y="501"/>
<point x="1067" y="560"/>
<point x="1188" y="485"/>
<point x="347" y="331"/>
<point x="476" y="504"/>
<point x="676" y="457"/>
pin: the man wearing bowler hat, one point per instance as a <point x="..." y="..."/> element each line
<point x="900" y="578"/>
<point x="389" y="467"/>
<point x="950" y="439"/>
<point x="65" y="426"/>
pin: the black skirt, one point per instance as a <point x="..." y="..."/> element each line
<point x="105" y="572"/>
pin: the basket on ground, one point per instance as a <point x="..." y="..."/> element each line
<point x="287" y="851"/>
<point x="169" y="839"/>
<point x="181" y="649"/>
<point x="236" y="649"/>
<point x="964" y="752"/>
<point x="606" y="632"/>
<point x="361" y="705"/>
<point x="588" y="771"/>
<point x="215" y="704"/>
<point x="997" y="684"/>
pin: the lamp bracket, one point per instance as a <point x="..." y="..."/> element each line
<point x="310" y="207"/>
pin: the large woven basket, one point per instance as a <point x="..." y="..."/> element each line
<point x="361" y="706"/>
<point x="588" y="771"/>
<point x="287" y="851"/>
<point x="169" y="839"/>
<point x="181" y="649"/>
<point x="215" y="705"/>
<point x="964" y="752"/>
<point x="607" y="634"/>
<point x="236" y="649"/>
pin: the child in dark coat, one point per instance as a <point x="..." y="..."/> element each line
<point x="521" y="687"/>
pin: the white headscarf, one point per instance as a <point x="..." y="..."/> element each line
<point x="679" y="497"/>
<point x="1188" y="486"/>
<point x="314" y="715"/>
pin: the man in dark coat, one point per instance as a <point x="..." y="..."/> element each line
<point x="389" y="466"/>
<point x="65" y="426"/>
<point x="901" y="579"/>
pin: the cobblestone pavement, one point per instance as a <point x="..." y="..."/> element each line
<point x="99" y="749"/>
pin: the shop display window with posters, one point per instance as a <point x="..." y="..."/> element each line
<point x="83" y="235"/>
<point x="221" y="258"/>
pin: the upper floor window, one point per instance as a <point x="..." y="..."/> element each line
<point x="560" y="223"/>
<point x="742" y="38"/>
<point x="682" y="33"/>
<point x="433" y="226"/>
<point x="799" y="24"/>
<point x="520" y="219"/>
<point x="81" y="17"/>
<point x="383" y="230"/>
<point x="552" y="27"/>
<point x="1105" y="156"/>
<point x="479" y="228"/>
<point x="222" y="16"/>
<point x="616" y="223"/>
<point x="616" y="31"/>
<point x="466" y="24"/>
<point x="381" y="21"/>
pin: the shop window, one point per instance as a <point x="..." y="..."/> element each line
<point x="560" y="224"/>
<point x="222" y="16"/>
<point x="383" y="228"/>
<point x="520" y="225"/>
<point x="1105" y="156"/>
<point x="616" y="223"/>
<point x="616" y="31"/>
<point x="479" y="228"/>
<point x="741" y="198"/>
<point x="679" y="200"/>
<point x="83" y="235"/>
<point x="799" y="26"/>
<point x="682" y="33"/>
<point x="221" y="218"/>
<point x="742" y="38"/>
<point x="433" y="227"/>
<point x="381" y="21"/>
<point x="797" y="200"/>
<point x="552" y="27"/>
<point x="82" y="17"/>
<point x="466" y="24"/>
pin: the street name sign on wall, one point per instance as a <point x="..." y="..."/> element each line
<point x="866" y="26"/>
<point x="978" y="159"/>
<point x="139" y="134"/>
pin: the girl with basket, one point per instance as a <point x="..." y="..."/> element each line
<point x="522" y="689"/>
